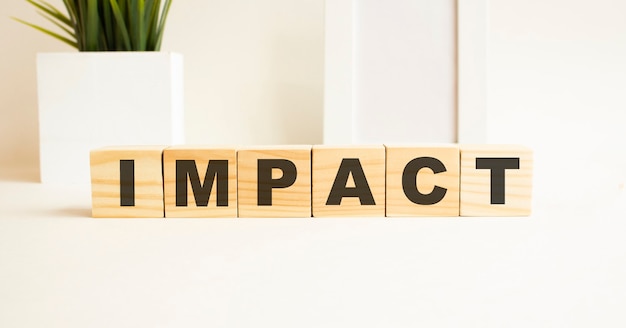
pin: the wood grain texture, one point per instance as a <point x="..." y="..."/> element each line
<point x="201" y="156"/>
<point x="105" y="182"/>
<point x="476" y="183"/>
<point x="293" y="201"/>
<point x="398" y="204"/>
<point x="326" y="163"/>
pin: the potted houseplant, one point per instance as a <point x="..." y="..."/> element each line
<point x="118" y="89"/>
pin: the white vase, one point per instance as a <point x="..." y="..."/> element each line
<point x="93" y="99"/>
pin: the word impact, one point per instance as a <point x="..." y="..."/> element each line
<point x="305" y="181"/>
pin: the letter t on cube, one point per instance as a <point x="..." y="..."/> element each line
<point x="496" y="180"/>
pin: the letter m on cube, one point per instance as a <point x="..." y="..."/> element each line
<point x="200" y="182"/>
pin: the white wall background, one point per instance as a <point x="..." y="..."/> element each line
<point x="405" y="71"/>
<point x="253" y="72"/>
<point x="556" y="82"/>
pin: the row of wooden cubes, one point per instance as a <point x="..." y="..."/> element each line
<point x="305" y="181"/>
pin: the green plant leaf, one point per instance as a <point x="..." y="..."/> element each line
<point x="119" y="18"/>
<point x="81" y="6"/>
<point x="71" y="10"/>
<point x="52" y="11"/>
<point x="70" y="5"/>
<point x="92" y="27"/>
<point x="52" y="34"/>
<point x="107" y="25"/>
<point x="65" y="29"/>
<point x="152" y="19"/>
<point x="135" y="29"/>
<point x="161" y="27"/>
<point x="141" y="34"/>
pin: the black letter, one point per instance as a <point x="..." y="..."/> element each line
<point x="361" y="187"/>
<point x="216" y="170"/>
<point x="497" y="167"/>
<point x="265" y="181"/>
<point x="409" y="181"/>
<point x="127" y="182"/>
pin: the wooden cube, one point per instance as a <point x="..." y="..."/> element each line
<point x="422" y="180"/>
<point x="126" y="182"/>
<point x="496" y="180"/>
<point x="200" y="182"/>
<point x="348" y="181"/>
<point x="274" y="181"/>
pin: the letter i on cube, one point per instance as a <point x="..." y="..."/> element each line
<point x="127" y="182"/>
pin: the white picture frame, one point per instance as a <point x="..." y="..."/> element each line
<point x="471" y="70"/>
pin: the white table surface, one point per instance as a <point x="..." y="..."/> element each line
<point x="565" y="266"/>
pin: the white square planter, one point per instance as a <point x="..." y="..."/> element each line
<point x="94" y="99"/>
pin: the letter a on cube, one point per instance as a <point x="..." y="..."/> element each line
<point x="126" y="182"/>
<point x="496" y="180"/>
<point x="200" y="182"/>
<point x="274" y="181"/>
<point x="348" y="181"/>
